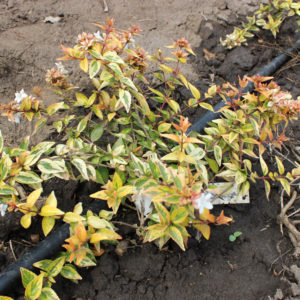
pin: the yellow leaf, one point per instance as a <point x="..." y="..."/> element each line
<point x="50" y="211"/>
<point x="100" y="195"/>
<point x="125" y="190"/>
<point x="176" y="236"/>
<point x="26" y="220"/>
<point x="204" y="229"/>
<point x="110" y="116"/>
<point x="47" y="225"/>
<point x="171" y="156"/>
<point x="194" y="91"/>
<point x="80" y="232"/>
<point x="104" y="234"/>
<point x="84" y="65"/>
<point x="172" y="137"/>
<point x="51" y="200"/>
<point x="207" y="216"/>
<point x="33" y="197"/>
<point x="71" y="217"/>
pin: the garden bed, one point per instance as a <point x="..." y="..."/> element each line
<point x="258" y="263"/>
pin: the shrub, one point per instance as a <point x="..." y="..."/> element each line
<point x="132" y="139"/>
<point x="270" y="16"/>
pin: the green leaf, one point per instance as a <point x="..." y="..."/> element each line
<point x="263" y="165"/>
<point x="1" y="141"/>
<point x="69" y="271"/>
<point x="286" y="185"/>
<point x="43" y="264"/>
<point x="232" y="238"/>
<point x="154" y="169"/>
<point x="179" y="215"/>
<point x="49" y="166"/>
<point x="97" y="132"/>
<point x="48" y="294"/>
<point x="206" y="106"/>
<point x="163" y="213"/>
<point x="267" y="188"/>
<point x="218" y="154"/>
<point x="28" y="177"/>
<point x="237" y="233"/>
<point x="55" y="107"/>
<point x="94" y="68"/>
<point x="178" y="183"/>
<point x="113" y="57"/>
<point x="34" y="288"/>
<point x="55" y="267"/>
<point x="280" y="165"/>
<point x="6" y="190"/>
<point x="102" y="175"/>
<point x="82" y="124"/>
<point x="213" y="165"/>
<point x="176" y="236"/>
<point x="129" y="83"/>
<point x="81" y="167"/>
<point x="163" y="172"/>
<point x="115" y="67"/>
<point x="125" y="99"/>
<point x="82" y="100"/>
<point x="27" y="276"/>
<point x="163" y="127"/>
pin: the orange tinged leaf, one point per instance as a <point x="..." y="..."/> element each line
<point x="207" y="216"/>
<point x="204" y="229"/>
<point x="80" y="232"/>
<point x="172" y="137"/>
<point x="81" y="253"/>
<point x="222" y="219"/>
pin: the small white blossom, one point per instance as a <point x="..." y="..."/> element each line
<point x="98" y="36"/>
<point x="17" y="118"/>
<point x="3" y="208"/>
<point x="20" y="96"/>
<point x="60" y="67"/>
<point x="204" y="201"/>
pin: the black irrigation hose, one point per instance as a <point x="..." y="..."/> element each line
<point x="45" y="249"/>
<point x="268" y="70"/>
<point x="51" y="245"/>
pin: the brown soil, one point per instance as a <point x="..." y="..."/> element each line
<point x="254" y="266"/>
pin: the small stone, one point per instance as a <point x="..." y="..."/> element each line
<point x="278" y="295"/>
<point x="52" y="20"/>
<point x="295" y="289"/>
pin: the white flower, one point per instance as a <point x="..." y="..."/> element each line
<point x="17" y="118"/>
<point x="20" y="96"/>
<point x="98" y="36"/>
<point x="3" y="208"/>
<point x="204" y="201"/>
<point x="60" y="67"/>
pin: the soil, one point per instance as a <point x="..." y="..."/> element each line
<point x="257" y="265"/>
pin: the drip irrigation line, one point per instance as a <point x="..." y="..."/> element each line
<point x="268" y="70"/>
<point x="52" y="244"/>
<point x="45" y="249"/>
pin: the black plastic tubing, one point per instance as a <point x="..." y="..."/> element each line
<point x="45" y="249"/>
<point x="52" y="244"/>
<point x="268" y="70"/>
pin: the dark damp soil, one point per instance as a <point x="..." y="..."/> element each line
<point x="257" y="264"/>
